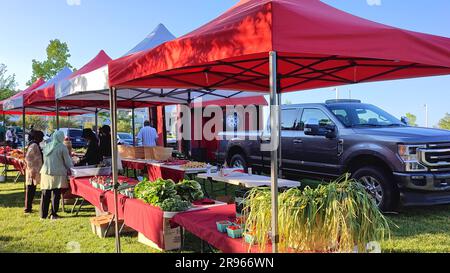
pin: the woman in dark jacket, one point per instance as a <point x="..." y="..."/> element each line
<point x="92" y="156"/>
<point x="105" y="144"/>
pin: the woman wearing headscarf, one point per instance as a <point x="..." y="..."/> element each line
<point x="34" y="160"/>
<point x="57" y="164"/>
<point x="92" y="156"/>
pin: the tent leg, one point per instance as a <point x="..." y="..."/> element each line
<point x="115" y="174"/>
<point x="57" y="114"/>
<point x="275" y="132"/>
<point x="96" y="122"/>
<point x="133" y="126"/>
<point x="24" y="143"/>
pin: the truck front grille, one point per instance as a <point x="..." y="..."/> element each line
<point x="436" y="157"/>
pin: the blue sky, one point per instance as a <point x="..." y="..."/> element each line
<point x="117" y="25"/>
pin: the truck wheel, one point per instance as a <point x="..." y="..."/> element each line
<point x="238" y="161"/>
<point x="380" y="185"/>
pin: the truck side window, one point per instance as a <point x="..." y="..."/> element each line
<point x="289" y="119"/>
<point x="318" y="114"/>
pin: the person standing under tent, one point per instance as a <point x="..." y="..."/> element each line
<point x="34" y="160"/>
<point x="92" y="156"/>
<point x="54" y="172"/>
<point x="9" y="137"/>
<point x="105" y="144"/>
<point x="148" y="135"/>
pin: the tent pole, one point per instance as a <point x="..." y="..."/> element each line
<point x="23" y="128"/>
<point x="133" y="126"/>
<point x="275" y="131"/>
<point x="24" y="142"/>
<point x="115" y="172"/>
<point x="96" y="122"/>
<point x="57" y="114"/>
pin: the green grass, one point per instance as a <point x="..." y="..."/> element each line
<point x="419" y="229"/>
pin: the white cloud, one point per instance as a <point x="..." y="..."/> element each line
<point x="73" y="2"/>
<point x="374" y="2"/>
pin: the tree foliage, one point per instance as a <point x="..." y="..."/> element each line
<point x="412" y="119"/>
<point x="444" y="123"/>
<point x="8" y="83"/>
<point x="58" y="55"/>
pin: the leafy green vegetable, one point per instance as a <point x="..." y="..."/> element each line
<point x="175" y="204"/>
<point x="189" y="190"/>
<point x="155" y="193"/>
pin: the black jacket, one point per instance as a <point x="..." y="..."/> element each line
<point x="105" y="146"/>
<point x="92" y="156"/>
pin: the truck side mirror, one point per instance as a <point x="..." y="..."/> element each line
<point x="312" y="127"/>
<point x="331" y="131"/>
<point x="405" y="120"/>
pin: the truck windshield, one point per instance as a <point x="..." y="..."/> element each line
<point x="363" y="115"/>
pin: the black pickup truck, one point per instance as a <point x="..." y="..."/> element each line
<point x="397" y="163"/>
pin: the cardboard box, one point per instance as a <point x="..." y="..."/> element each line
<point x="100" y="224"/>
<point x="171" y="236"/>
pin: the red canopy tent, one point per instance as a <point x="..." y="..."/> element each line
<point x="317" y="46"/>
<point x="281" y="46"/>
<point x="45" y="97"/>
<point x="19" y="96"/>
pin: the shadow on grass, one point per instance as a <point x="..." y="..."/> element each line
<point x="5" y="239"/>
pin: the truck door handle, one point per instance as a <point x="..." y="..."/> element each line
<point x="298" y="141"/>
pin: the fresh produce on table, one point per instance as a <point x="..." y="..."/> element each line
<point x="175" y="204"/>
<point x="155" y="193"/>
<point x="17" y="154"/>
<point x="175" y="162"/>
<point x="194" y="165"/>
<point x="189" y="190"/>
<point x="4" y="150"/>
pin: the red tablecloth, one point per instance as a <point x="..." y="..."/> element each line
<point x="155" y="172"/>
<point x="19" y="165"/>
<point x="133" y="165"/>
<point x="202" y="224"/>
<point x="146" y="219"/>
<point x="103" y="200"/>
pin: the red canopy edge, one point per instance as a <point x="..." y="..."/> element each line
<point x="317" y="46"/>
<point x="244" y="101"/>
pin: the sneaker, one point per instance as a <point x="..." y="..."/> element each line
<point x="27" y="212"/>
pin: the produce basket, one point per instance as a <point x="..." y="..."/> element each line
<point x="88" y="171"/>
<point x="223" y="225"/>
<point x="162" y="154"/>
<point x="234" y="231"/>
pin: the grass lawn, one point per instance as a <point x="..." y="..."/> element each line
<point x="419" y="230"/>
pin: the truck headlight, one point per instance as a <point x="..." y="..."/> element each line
<point x="409" y="155"/>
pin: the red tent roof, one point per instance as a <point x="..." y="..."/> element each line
<point x="98" y="61"/>
<point x="39" y="82"/>
<point x="46" y="96"/>
<point x="317" y="46"/>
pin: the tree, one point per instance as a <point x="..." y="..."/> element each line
<point x="444" y="123"/>
<point x="8" y="83"/>
<point x="39" y="123"/>
<point x="64" y="122"/>
<point x="412" y="119"/>
<point x="124" y="122"/>
<point x="57" y="58"/>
